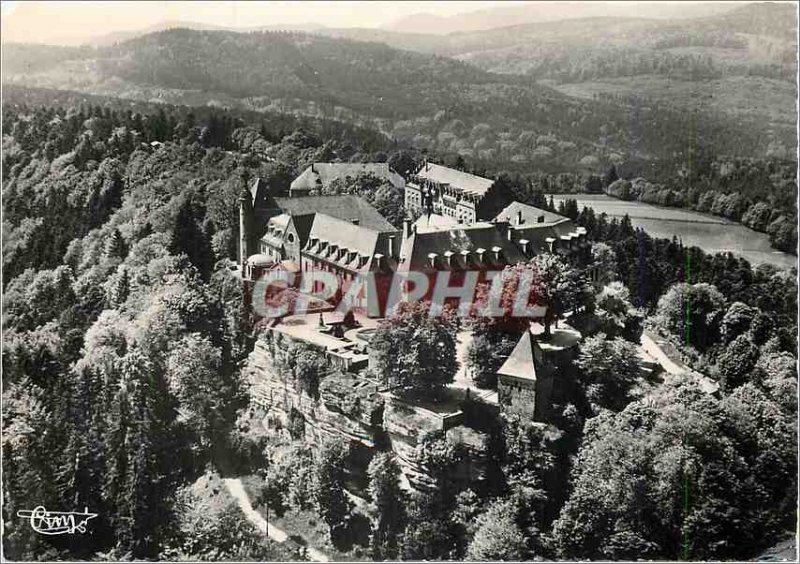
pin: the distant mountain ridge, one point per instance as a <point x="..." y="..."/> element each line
<point x="434" y="102"/>
<point x="537" y="12"/>
<point x="470" y="21"/>
<point x="120" y="36"/>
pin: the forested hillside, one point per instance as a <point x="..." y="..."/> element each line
<point x="123" y="324"/>
<point x="124" y="331"/>
<point x="494" y="121"/>
<point x="740" y="64"/>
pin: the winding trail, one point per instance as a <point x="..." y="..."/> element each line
<point x="236" y="489"/>
<point x="655" y="346"/>
<point x="652" y="348"/>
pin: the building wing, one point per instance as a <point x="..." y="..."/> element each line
<point x="346" y="207"/>
<point x="457" y="179"/>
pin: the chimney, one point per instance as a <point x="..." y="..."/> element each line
<point x="540" y="219"/>
<point x="406" y="227"/>
<point x="519" y="217"/>
<point x="391" y="246"/>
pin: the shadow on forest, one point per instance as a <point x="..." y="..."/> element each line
<point x="355" y="532"/>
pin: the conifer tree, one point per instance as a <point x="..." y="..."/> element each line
<point x="329" y="483"/>
<point x="387" y="506"/>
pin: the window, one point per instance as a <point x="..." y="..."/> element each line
<point x="290" y="237"/>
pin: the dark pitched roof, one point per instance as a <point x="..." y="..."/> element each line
<point x="259" y="193"/>
<point x="303" y="223"/>
<point x="448" y="245"/>
<point x="344" y="207"/>
<point x="323" y="174"/>
<point x="456" y="178"/>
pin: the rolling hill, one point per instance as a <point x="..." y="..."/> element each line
<point x="740" y="63"/>
<point x="531" y="12"/>
<point x="495" y="120"/>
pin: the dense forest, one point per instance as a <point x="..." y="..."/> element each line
<point x="754" y="40"/>
<point x="509" y="120"/>
<point x="123" y="321"/>
<point x="124" y="330"/>
<point x="740" y="64"/>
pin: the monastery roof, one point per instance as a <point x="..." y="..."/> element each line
<point x="461" y="246"/>
<point x="281" y="220"/>
<point x="323" y="174"/>
<point x="337" y="235"/>
<point x="434" y="222"/>
<point x="522" y="362"/>
<point x="456" y="178"/>
<point x="259" y="192"/>
<point x="346" y="207"/>
<point x="530" y="215"/>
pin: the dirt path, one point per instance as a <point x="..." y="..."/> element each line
<point x="651" y="348"/>
<point x="235" y="488"/>
<point x="650" y="345"/>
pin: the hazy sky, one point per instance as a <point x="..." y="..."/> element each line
<point x="73" y="22"/>
<point x="43" y="22"/>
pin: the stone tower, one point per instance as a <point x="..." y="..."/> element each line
<point x="525" y="381"/>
